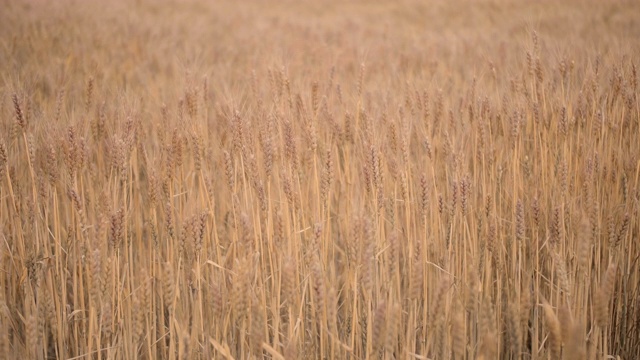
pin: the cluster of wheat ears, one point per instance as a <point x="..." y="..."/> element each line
<point x="451" y="205"/>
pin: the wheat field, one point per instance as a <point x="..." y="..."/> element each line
<point x="191" y="179"/>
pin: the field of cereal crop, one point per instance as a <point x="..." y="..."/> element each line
<point x="191" y="179"/>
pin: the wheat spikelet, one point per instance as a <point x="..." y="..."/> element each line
<point x="240" y="288"/>
<point x="145" y="289"/>
<point x="565" y="319"/>
<point x="3" y="159"/>
<point x="95" y="274"/>
<point x="288" y="280"/>
<point x="416" y="280"/>
<point x="379" y="326"/>
<point x="622" y="232"/>
<point x="268" y="146"/>
<point x="332" y="307"/>
<point x="584" y="243"/>
<point x="392" y="135"/>
<point x="394" y="253"/>
<point x="424" y="195"/>
<point x="393" y="327"/>
<point x="106" y="320"/>
<point x="257" y="330"/>
<point x="563" y="277"/>
<point x="465" y="193"/>
<point x="368" y="260"/>
<point x="169" y="286"/>
<point x="520" y="228"/>
<point x="555" y="337"/>
<point x="32" y="334"/>
<point x="138" y="318"/>
<point x="197" y="150"/>
<point x="354" y="241"/>
<point x="525" y="305"/>
<point x="514" y="328"/>
<point x="106" y="278"/>
<point x="603" y="295"/>
<point x="217" y="302"/>
<point x="319" y="285"/>
<point x="176" y="148"/>
<point x="438" y="316"/>
<point x="89" y="94"/>
<point x="20" y="117"/>
<point x="556" y="229"/>
<point x="327" y="176"/>
<point x="440" y="297"/>
<point x="458" y="333"/>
